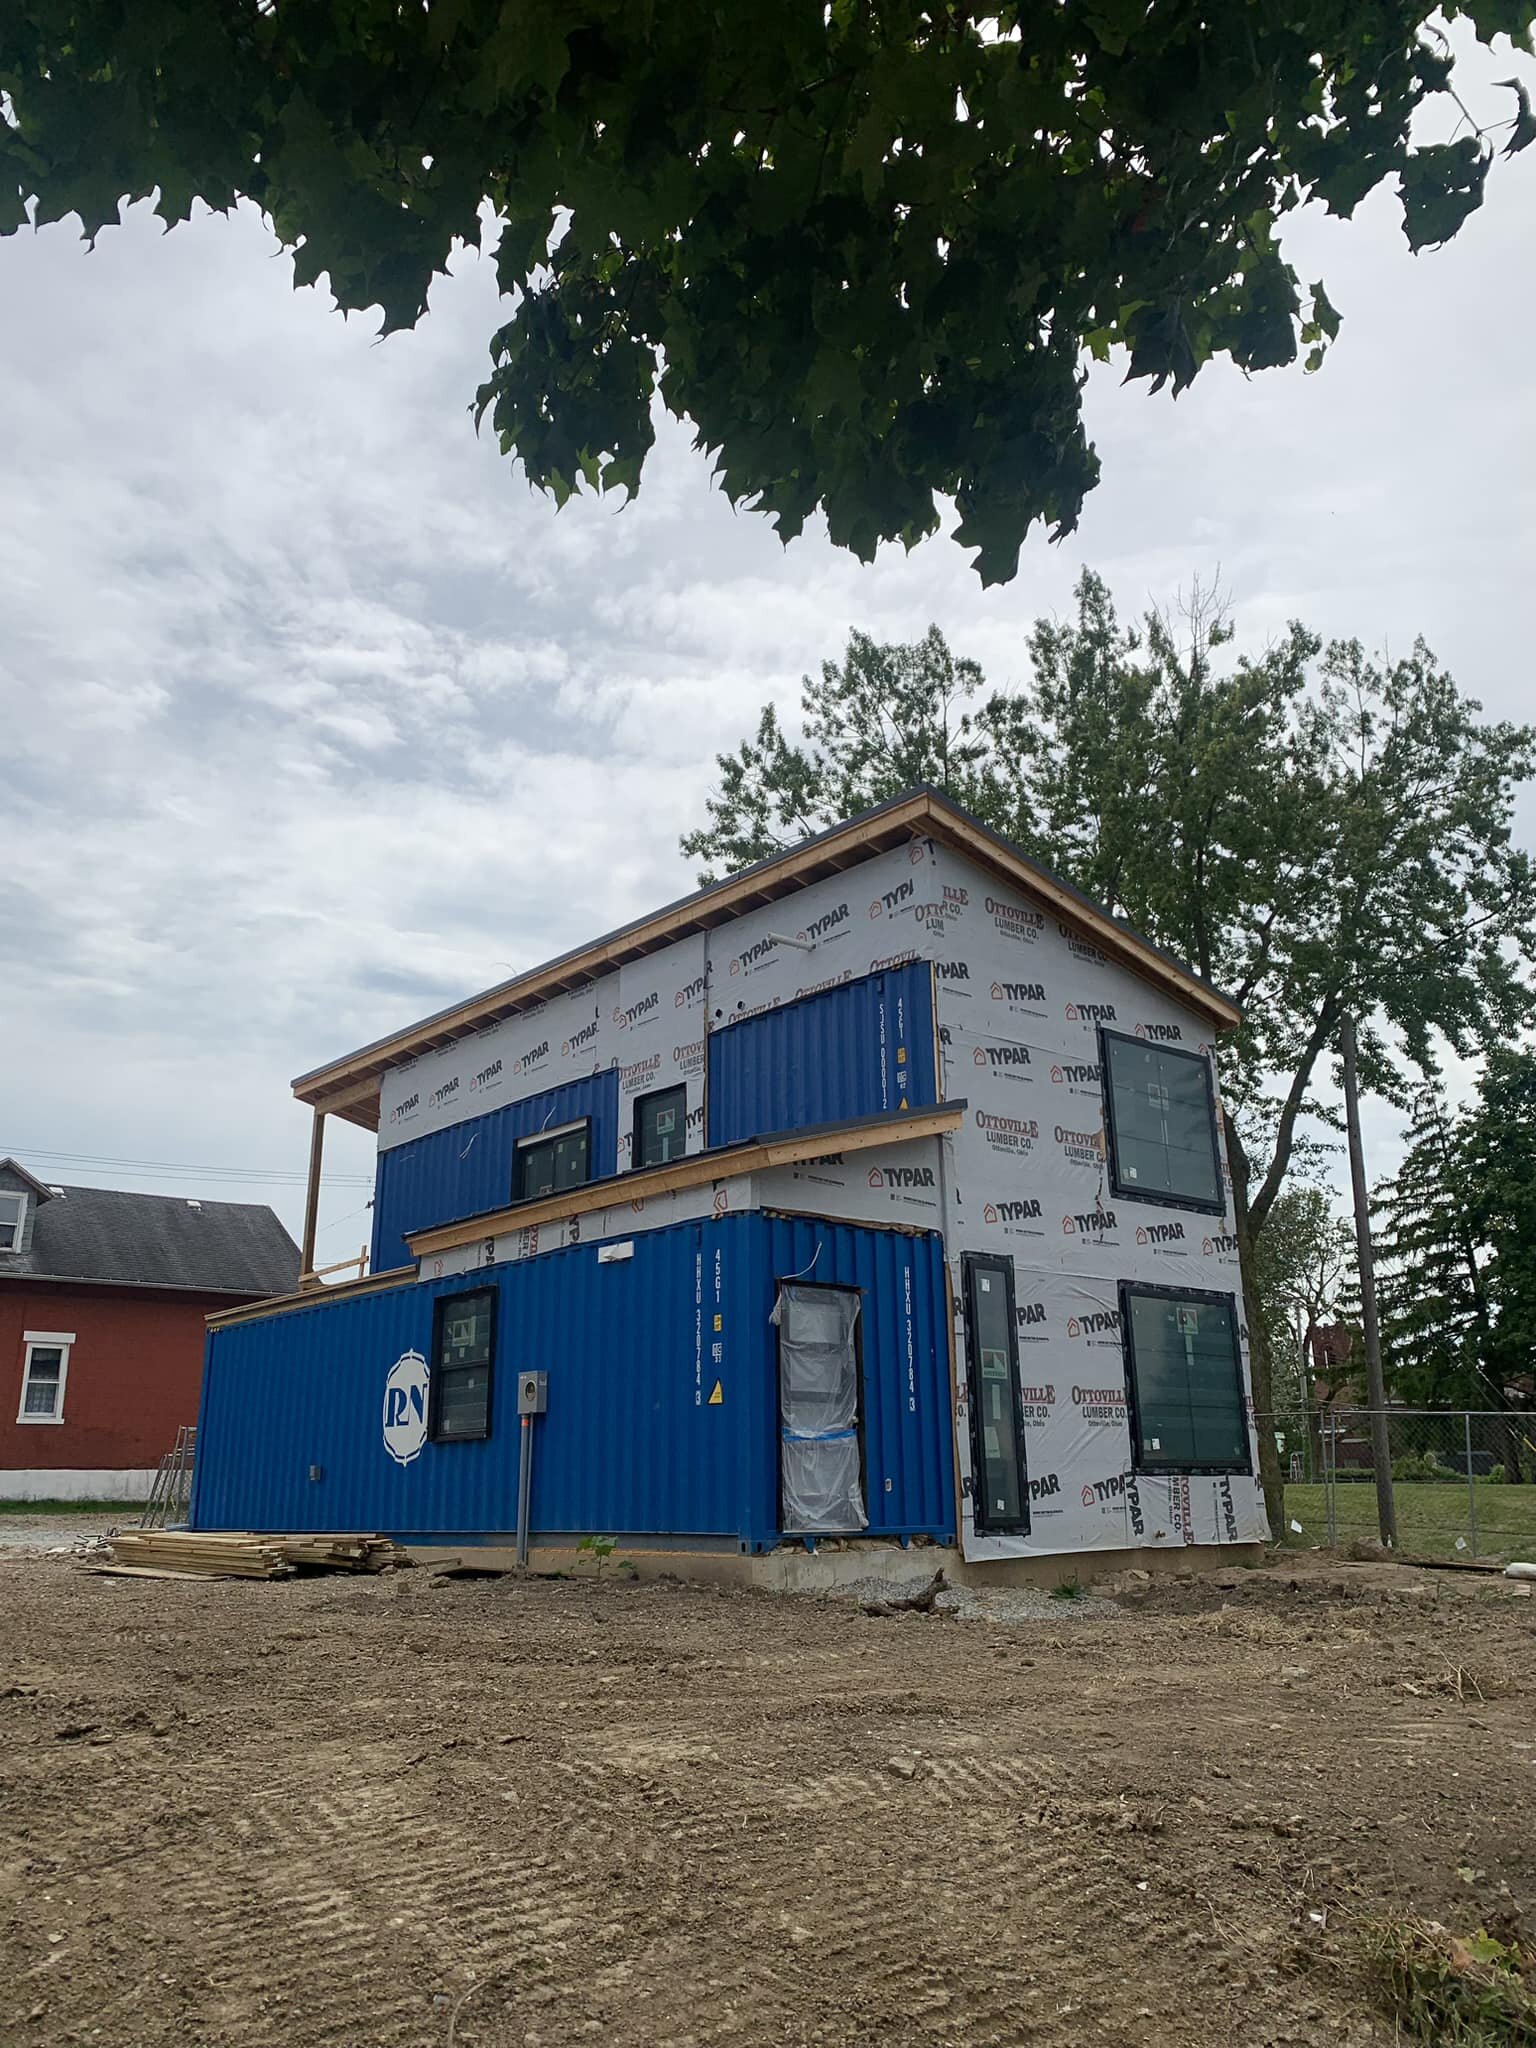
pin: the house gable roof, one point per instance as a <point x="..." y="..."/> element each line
<point x="108" y="1236"/>
<point x="13" y="1170"/>
<point x="349" y="1087"/>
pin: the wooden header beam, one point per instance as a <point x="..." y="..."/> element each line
<point x="698" y="1170"/>
<point x="695" y="1171"/>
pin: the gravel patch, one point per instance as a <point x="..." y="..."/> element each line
<point x="65" y="1533"/>
<point x="999" y="1604"/>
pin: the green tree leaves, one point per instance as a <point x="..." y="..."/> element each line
<point x="862" y="250"/>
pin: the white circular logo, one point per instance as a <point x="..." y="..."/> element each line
<point x="405" y="1408"/>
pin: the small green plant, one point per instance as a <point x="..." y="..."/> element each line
<point x="1440" y="1987"/>
<point x="1067" y="1589"/>
<point x="1416" y="1466"/>
<point x="600" y="1549"/>
<point x="1495" y="1476"/>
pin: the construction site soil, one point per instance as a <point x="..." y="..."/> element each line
<point x="420" y="1812"/>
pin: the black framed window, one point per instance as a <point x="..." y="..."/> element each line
<point x="553" y="1162"/>
<point x="1184" y="1374"/>
<point x="1000" y="1480"/>
<point x="661" y="1126"/>
<point x="463" y="1360"/>
<point x="1160" y="1116"/>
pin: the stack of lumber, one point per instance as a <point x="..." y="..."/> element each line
<point x="217" y="1554"/>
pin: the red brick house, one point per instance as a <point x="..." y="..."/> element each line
<point x="102" y="1301"/>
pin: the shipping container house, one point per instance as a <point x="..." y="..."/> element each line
<point x="878" y="1193"/>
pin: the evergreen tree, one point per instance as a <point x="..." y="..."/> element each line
<point x="1498" y="1174"/>
<point x="1434" y="1304"/>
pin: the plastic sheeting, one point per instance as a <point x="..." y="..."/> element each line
<point x="819" y="1410"/>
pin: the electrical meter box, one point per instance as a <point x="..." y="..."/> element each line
<point x="532" y="1393"/>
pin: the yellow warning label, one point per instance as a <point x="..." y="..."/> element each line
<point x="903" y="1102"/>
<point x="717" y="1398"/>
<point x="719" y="1322"/>
<point x="901" y="1055"/>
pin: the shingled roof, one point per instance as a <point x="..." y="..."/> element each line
<point x="110" y="1236"/>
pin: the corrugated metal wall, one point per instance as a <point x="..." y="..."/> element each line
<point x="905" y="1405"/>
<point x="632" y="1444"/>
<point x="853" y="1051"/>
<point x="468" y="1168"/>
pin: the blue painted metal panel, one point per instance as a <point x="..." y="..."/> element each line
<point x="466" y="1169"/>
<point x="632" y="1444"/>
<point x="858" y="1050"/>
<point x="905" y="1404"/>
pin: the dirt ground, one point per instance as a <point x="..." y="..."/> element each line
<point x="422" y="1813"/>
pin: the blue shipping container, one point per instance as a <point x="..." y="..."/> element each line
<point x="632" y="1445"/>
<point x="865" y="1049"/>
<point x="467" y="1169"/>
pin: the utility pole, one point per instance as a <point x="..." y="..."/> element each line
<point x="1376" y="1391"/>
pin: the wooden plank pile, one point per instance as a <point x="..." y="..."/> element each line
<point x="220" y="1554"/>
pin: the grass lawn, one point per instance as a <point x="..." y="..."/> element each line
<point x="1430" y="1517"/>
<point x="120" y="1510"/>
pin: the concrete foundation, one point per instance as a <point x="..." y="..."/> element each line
<point x="69" y="1484"/>
<point x="833" y="1566"/>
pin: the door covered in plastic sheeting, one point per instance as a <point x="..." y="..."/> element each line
<point x="819" y="1461"/>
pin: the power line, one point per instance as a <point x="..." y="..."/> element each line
<point x="258" y="1176"/>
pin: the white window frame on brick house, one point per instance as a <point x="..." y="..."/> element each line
<point x="15" y="1227"/>
<point x="44" y="1340"/>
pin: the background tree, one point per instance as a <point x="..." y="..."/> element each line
<point x="1310" y="828"/>
<point x="1304" y="1278"/>
<point x="1498" y="1171"/>
<point x="861" y="248"/>
<point x="1436" y="1327"/>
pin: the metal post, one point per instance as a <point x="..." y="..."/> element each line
<point x="1331" y="1480"/>
<point x="1466" y="1419"/>
<point x="524" y="1487"/>
<point x="1381" y="1448"/>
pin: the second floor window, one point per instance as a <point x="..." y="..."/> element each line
<point x="553" y="1162"/>
<point x="661" y="1127"/>
<point x="1162" y="1124"/>
<point x="13" y="1213"/>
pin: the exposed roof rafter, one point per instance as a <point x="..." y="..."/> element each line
<point x="349" y="1087"/>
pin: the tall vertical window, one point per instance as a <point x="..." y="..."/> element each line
<point x="1161" y="1120"/>
<point x="463" y="1358"/>
<point x="13" y="1213"/>
<point x="661" y="1126"/>
<point x="1185" y="1377"/>
<point x="44" y="1369"/>
<point x="553" y="1162"/>
<point x="999" y="1480"/>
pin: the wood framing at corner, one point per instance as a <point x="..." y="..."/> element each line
<point x="312" y="1199"/>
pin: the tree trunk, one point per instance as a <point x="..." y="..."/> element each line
<point x="1261" y="1367"/>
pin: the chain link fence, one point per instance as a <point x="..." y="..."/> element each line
<point x="1464" y="1480"/>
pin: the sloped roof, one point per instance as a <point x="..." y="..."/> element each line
<point x="137" y="1240"/>
<point x="349" y="1086"/>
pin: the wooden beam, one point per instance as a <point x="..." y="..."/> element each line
<point x="726" y="901"/>
<point x="698" y="1170"/>
<point x="312" y="1199"/>
<point x="349" y="1087"/>
<point x="1125" y="947"/>
<point x="316" y="1296"/>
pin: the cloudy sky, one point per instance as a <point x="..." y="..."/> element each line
<point x="313" y="716"/>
